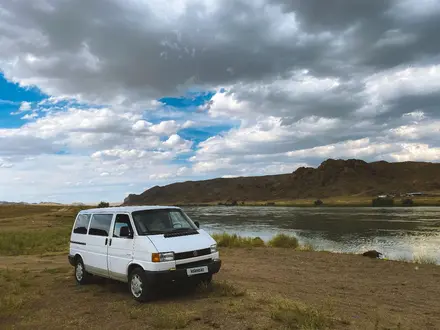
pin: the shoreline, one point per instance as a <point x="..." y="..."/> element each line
<point x="331" y="202"/>
<point x="303" y="205"/>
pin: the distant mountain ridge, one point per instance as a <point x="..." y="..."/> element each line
<point x="331" y="179"/>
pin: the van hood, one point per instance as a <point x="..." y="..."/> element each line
<point x="177" y="244"/>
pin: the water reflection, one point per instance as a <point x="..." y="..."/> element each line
<point x="400" y="233"/>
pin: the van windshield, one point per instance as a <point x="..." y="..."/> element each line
<point x="162" y="221"/>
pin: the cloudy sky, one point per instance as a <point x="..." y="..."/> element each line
<point x="103" y="98"/>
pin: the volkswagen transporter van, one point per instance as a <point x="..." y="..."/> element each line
<point x="143" y="246"/>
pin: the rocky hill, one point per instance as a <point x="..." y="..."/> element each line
<point x="332" y="178"/>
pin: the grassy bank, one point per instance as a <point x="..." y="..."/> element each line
<point x="226" y="240"/>
<point x="35" y="229"/>
<point x="340" y="201"/>
<point x="234" y="240"/>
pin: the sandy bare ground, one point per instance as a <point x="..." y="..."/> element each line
<point x="364" y="293"/>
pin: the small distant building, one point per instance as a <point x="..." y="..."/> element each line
<point x="412" y="194"/>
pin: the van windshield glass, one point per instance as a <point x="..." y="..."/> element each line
<point x="162" y="221"/>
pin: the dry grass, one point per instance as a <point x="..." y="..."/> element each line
<point x="221" y="289"/>
<point x="23" y="303"/>
<point x="171" y="317"/>
<point x="421" y="259"/>
<point x="424" y="260"/>
<point x="307" y="247"/>
<point x="15" y="290"/>
<point x="297" y="316"/>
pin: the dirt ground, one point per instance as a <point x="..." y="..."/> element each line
<point x="358" y="293"/>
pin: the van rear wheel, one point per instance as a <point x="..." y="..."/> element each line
<point x="138" y="286"/>
<point x="81" y="276"/>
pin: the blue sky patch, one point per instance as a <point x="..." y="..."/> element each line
<point x="190" y="101"/>
<point x="11" y="96"/>
<point x="199" y="134"/>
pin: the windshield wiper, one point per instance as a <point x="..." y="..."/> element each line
<point x="176" y="230"/>
<point x="153" y="232"/>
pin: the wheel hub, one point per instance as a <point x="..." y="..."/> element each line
<point x="136" y="286"/>
<point x="79" y="272"/>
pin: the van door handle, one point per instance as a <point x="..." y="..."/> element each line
<point x="110" y="242"/>
<point x="106" y="241"/>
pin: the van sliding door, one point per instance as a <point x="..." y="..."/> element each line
<point x="97" y="243"/>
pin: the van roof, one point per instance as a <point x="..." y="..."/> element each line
<point x="127" y="209"/>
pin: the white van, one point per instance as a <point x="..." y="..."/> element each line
<point x="143" y="246"/>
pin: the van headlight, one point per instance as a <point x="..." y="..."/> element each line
<point x="213" y="248"/>
<point x="162" y="257"/>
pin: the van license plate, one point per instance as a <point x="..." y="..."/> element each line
<point x="197" y="270"/>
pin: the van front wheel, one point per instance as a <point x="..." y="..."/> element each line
<point x="138" y="285"/>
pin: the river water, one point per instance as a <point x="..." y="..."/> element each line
<point x="399" y="233"/>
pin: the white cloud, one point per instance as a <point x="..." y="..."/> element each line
<point x="188" y="124"/>
<point x="420" y="130"/>
<point x="30" y="116"/>
<point x="89" y="130"/>
<point x="165" y="127"/>
<point x="415" y="115"/>
<point x="421" y="152"/>
<point x="395" y="83"/>
<point x="25" y="106"/>
<point x="175" y="141"/>
<point x="4" y="164"/>
<point x="267" y="135"/>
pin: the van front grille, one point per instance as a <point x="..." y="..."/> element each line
<point x="192" y="254"/>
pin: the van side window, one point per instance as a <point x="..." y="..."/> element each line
<point x="81" y="224"/>
<point x="100" y="225"/>
<point x="122" y="220"/>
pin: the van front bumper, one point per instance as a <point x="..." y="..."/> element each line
<point x="180" y="274"/>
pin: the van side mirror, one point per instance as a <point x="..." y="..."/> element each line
<point x="125" y="232"/>
<point x="197" y="224"/>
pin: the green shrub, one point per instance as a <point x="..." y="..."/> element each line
<point x="318" y="202"/>
<point x="383" y="202"/>
<point x="258" y="242"/>
<point x="234" y="240"/>
<point x="284" y="241"/>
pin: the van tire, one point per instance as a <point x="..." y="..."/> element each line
<point x="81" y="276"/>
<point x="137" y="284"/>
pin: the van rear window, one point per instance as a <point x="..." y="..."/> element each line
<point x="100" y="225"/>
<point x="81" y="224"/>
